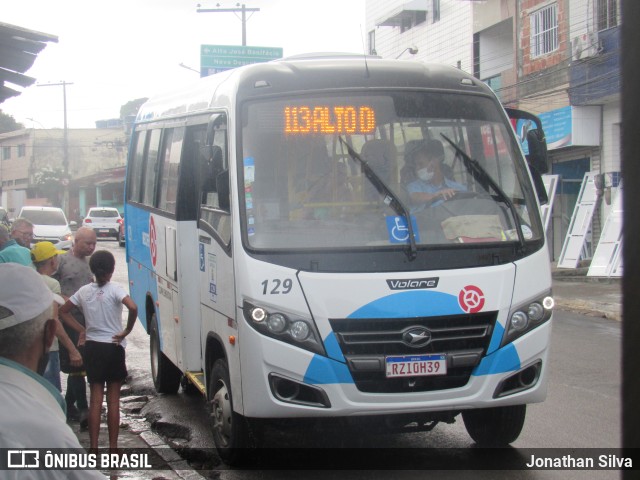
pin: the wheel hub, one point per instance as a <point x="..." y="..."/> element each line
<point x="221" y="416"/>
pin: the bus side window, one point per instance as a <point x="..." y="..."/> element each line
<point x="210" y="170"/>
<point x="187" y="196"/>
<point x="214" y="183"/>
<point x="135" y="168"/>
<point x="172" y="146"/>
<point x="151" y="169"/>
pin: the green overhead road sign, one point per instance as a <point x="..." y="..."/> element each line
<point x="217" y="58"/>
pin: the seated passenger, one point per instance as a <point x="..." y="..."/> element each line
<point x="430" y="187"/>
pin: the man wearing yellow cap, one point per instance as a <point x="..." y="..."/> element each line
<point x="45" y="259"/>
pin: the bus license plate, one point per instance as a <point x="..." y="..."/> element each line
<point x="416" y="366"/>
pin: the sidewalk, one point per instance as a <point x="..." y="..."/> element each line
<point x="135" y="433"/>
<point x="573" y="290"/>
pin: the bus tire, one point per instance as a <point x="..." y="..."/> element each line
<point x="495" y="427"/>
<point x="166" y="376"/>
<point x="229" y="429"/>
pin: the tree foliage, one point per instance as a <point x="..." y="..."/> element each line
<point x="8" y="123"/>
<point x="49" y="181"/>
<point x="131" y="108"/>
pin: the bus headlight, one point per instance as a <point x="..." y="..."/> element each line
<point x="277" y="323"/>
<point x="300" y="330"/>
<point x="289" y="328"/>
<point x="535" y="312"/>
<point x="519" y="321"/>
<point x="258" y="314"/>
<point x="526" y="317"/>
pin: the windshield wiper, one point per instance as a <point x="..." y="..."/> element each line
<point x="482" y="176"/>
<point x="390" y="198"/>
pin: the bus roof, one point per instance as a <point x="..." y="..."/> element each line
<point x="304" y="73"/>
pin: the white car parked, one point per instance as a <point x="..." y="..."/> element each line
<point x="105" y="221"/>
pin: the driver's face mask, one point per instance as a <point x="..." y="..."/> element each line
<point x="425" y="174"/>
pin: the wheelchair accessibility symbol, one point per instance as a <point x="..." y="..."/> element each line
<point x="399" y="230"/>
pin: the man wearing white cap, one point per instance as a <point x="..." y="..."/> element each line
<point x="32" y="413"/>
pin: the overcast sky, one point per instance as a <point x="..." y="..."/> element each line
<point x="119" y="50"/>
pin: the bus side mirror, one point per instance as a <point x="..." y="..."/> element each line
<point x="222" y="187"/>
<point x="541" y="190"/>
<point x="538" y="157"/>
<point x="538" y="161"/>
<point x="536" y="140"/>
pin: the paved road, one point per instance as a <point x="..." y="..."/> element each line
<point x="582" y="409"/>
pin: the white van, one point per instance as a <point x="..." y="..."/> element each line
<point x="49" y="225"/>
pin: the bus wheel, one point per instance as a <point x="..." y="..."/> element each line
<point x="495" y="427"/>
<point x="230" y="431"/>
<point x="166" y="376"/>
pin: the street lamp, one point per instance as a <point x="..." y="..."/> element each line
<point x="33" y="120"/>
<point x="189" y="68"/>
<point x="411" y="50"/>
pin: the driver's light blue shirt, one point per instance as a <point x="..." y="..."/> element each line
<point x="420" y="186"/>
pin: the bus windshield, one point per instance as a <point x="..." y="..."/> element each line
<point x="312" y="169"/>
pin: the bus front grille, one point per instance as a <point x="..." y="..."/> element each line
<point x="365" y="343"/>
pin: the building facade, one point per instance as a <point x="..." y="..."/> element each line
<point x="559" y="59"/>
<point x="33" y="170"/>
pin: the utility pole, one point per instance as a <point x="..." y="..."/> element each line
<point x="65" y="145"/>
<point x="242" y="8"/>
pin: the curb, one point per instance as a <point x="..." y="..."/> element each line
<point x="138" y="426"/>
<point x="177" y="464"/>
<point x="588" y="308"/>
<point x="136" y="432"/>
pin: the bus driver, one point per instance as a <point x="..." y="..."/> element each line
<point x="430" y="185"/>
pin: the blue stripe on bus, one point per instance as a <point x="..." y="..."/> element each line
<point x="410" y="304"/>
<point x="504" y="360"/>
<point x="140" y="268"/>
<point x="323" y="371"/>
<point x="333" y="349"/>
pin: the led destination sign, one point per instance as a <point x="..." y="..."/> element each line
<point x="336" y="119"/>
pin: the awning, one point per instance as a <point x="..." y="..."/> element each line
<point x="111" y="176"/>
<point x="407" y="10"/>
<point x="19" y="49"/>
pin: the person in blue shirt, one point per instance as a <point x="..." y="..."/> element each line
<point x="430" y="186"/>
<point x="12" y="251"/>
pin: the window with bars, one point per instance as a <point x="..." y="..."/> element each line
<point x="6" y="153"/>
<point x="607" y="14"/>
<point x="544" y="31"/>
<point x="416" y="18"/>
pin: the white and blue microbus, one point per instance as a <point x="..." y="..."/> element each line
<point x="282" y="263"/>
